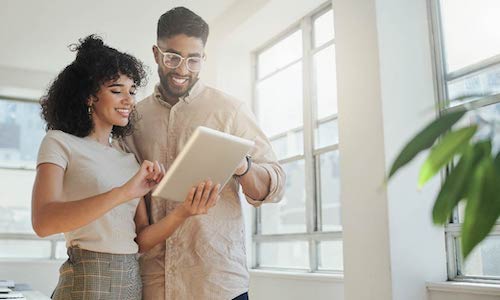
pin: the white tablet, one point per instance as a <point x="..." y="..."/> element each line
<point x="208" y="154"/>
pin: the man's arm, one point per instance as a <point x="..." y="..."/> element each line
<point x="265" y="180"/>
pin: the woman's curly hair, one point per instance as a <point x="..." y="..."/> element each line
<point x="65" y="105"/>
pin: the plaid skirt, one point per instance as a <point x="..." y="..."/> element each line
<point x="89" y="275"/>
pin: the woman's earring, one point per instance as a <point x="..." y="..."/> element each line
<point x="90" y="110"/>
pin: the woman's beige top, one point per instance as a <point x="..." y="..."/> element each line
<point x="91" y="168"/>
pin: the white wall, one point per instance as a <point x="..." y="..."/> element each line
<point x="275" y="285"/>
<point x="367" y="261"/>
<point x="408" y="104"/>
<point x="41" y="275"/>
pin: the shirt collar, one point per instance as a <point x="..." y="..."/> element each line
<point x="194" y="92"/>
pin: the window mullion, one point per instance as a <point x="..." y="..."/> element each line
<point x="439" y="55"/>
<point x="257" y="212"/>
<point x="308" y="113"/>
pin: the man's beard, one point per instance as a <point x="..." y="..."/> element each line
<point x="172" y="92"/>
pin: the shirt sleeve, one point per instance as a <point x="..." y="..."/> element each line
<point x="54" y="150"/>
<point x="244" y="125"/>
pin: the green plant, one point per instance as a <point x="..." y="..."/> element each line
<point x="473" y="174"/>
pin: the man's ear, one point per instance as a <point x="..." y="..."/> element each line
<point x="155" y="54"/>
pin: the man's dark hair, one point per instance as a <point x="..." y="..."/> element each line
<point x="180" y="20"/>
<point x="65" y="106"/>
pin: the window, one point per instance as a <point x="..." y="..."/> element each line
<point x="21" y="131"/>
<point x="296" y="104"/>
<point x="467" y="55"/>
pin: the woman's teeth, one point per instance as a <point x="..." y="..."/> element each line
<point x="123" y="111"/>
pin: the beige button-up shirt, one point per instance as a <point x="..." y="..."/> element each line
<point x="205" y="258"/>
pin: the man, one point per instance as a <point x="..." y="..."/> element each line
<point x="205" y="258"/>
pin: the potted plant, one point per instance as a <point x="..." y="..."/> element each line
<point x="473" y="174"/>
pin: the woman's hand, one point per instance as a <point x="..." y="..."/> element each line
<point x="199" y="200"/>
<point x="148" y="176"/>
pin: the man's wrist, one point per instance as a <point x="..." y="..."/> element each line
<point x="249" y="165"/>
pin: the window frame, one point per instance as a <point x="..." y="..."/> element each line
<point x="53" y="239"/>
<point x="19" y="99"/>
<point x="441" y="79"/>
<point x="311" y="155"/>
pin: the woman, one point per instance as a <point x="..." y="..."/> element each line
<point x="91" y="190"/>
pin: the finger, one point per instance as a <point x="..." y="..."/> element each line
<point x="147" y="165"/>
<point x="162" y="172"/>
<point x="214" y="195"/>
<point x="199" y="193"/>
<point x="157" y="170"/>
<point x="206" y="194"/>
<point x="190" y="196"/>
<point x="148" y="168"/>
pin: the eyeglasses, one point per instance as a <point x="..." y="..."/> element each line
<point x="174" y="60"/>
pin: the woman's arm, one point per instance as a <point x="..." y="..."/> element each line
<point x="198" y="201"/>
<point x="51" y="214"/>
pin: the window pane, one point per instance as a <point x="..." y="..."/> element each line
<point x="280" y="101"/>
<point x="327" y="134"/>
<point x="284" y="255"/>
<point x="21" y="131"/>
<point x="61" y="251"/>
<point x="280" y="54"/>
<point x="331" y="256"/>
<point x="485" y="259"/>
<point x="287" y="216"/>
<point x="483" y="83"/>
<point x="15" y="201"/>
<point x="24" y="249"/>
<point x="490" y="113"/>
<point x="323" y="29"/>
<point x="326" y="82"/>
<point x="289" y="145"/>
<point x="486" y="113"/>
<point x="329" y="193"/>
<point x="470" y="30"/>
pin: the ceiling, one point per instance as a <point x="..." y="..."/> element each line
<point x="34" y="34"/>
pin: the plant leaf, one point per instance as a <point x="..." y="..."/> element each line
<point x="425" y="139"/>
<point x="497" y="163"/>
<point x="443" y="152"/>
<point x="457" y="182"/>
<point x="483" y="205"/>
<point x="452" y="190"/>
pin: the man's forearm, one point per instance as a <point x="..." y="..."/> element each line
<point x="256" y="183"/>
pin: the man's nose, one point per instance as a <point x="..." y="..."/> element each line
<point x="182" y="68"/>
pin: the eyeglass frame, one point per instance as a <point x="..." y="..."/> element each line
<point x="202" y="59"/>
